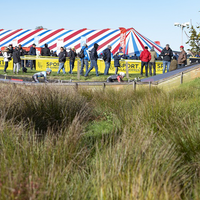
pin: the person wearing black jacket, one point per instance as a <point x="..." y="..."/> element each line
<point x="16" y="60"/>
<point x="32" y="52"/>
<point x="167" y="54"/>
<point x="21" y="53"/>
<point x="55" y="54"/>
<point x="45" y="51"/>
<point x="72" y="55"/>
<point x="107" y="59"/>
<point x="62" y="59"/>
<point x="93" y="58"/>
<point x="10" y="49"/>
<point x="117" y="58"/>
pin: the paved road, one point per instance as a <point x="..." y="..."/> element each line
<point x="167" y="75"/>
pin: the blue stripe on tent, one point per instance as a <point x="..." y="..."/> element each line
<point x="59" y="36"/>
<point x="154" y="43"/>
<point x="78" y="38"/>
<point x="14" y="38"/>
<point x="99" y="40"/>
<point x="136" y="50"/>
<point x="147" y="44"/>
<point x="110" y="45"/>
<point x="56" y="38"/>
<point x="150" y="41"/>
<point x="127" y="46"/>
<point x="144" y="41"/>
<point x="5" y="32"/>
<point x="32" y="40"/>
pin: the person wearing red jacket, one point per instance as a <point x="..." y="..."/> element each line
<point x="145" y="57"/>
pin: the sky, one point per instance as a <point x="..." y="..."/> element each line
<point x="152" y="18"/>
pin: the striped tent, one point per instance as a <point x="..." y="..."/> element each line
<point x="135" y="42"/>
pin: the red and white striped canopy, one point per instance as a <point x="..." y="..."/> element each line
<point x="135" y="42"/>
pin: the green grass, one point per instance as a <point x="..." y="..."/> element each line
<point x="60" y="143"/>
<point x="91" y="77"/>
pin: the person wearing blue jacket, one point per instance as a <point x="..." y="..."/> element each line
<point x="121" y="53"/>
<point x="85" y="60"/>
<point x="107" y="59"/>
<point x="32" y="52"/>
<point x="93" y="58"/>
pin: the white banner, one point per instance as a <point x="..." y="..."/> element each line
<point x="60" y="43"/>
<point x="15" y="42"/>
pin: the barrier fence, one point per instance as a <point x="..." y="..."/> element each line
<point x="133" y="66"/>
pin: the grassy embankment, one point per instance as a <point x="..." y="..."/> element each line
<point x="68" y="144"/>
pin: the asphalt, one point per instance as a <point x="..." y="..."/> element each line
<point x="167" y="75"/>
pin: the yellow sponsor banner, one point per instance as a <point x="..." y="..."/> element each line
<point x="134" y="66"/>
<point x="2" y="64"/>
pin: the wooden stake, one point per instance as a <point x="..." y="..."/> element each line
<point x="182" y="78"/>
<point x="78" y="71"/>
<point x="134" y="85"/>
<point x="127" y="74"/>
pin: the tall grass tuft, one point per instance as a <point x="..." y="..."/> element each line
<point x="44" y="107"/>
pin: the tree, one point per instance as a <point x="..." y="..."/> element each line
<point x="39" y="27"/>
<point x="194" y="40"/>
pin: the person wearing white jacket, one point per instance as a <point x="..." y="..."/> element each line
<point x="7" y="58"/>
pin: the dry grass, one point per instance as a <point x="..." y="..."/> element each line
<point x="63" y="144"/>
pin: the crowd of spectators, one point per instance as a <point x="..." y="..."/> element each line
<point x="148" y="58"/>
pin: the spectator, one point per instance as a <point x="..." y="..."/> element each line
<point x="32" y="52"/>
<point x="62" y="60"/>
<point x="121" y="53"/>
<point x="51" y="53"/>
<point x="65" y="51"/>
<point x="134" y="57"/>
<point x="55" y="54"/>
<point x="7" y="58"/>
<point x="117" y="58"/>
<point x="42" y="74"/>
<point x="182" y="58"/>
<point x="152" y="62"/>
<point x="93" y="58"/>
<point x="26" y="53"/>
<point x="159" y="58"/>
<point x="167" y="55"/>
<point x="72" y="56"/>
<point x="1" y="53"/>
<point x="45" y="51"/>
<point x="21" y="53"/>
<point x="85" y="59"/>
<point x="10" y="50"/>
<point x="16" y="60"/>
<point x="107" y="59"/>
<point x="176" y="56"/>
<point x="117" y="77"/>
<point x="101" y="56"/>
<point x="173" y="65"/>
<point x="145" y="58"/>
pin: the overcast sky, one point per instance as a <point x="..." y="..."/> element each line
<point x="153" y="19"/>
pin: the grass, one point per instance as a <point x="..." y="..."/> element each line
<point x="91" y="77"/>
<point x="58" y="143"/>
